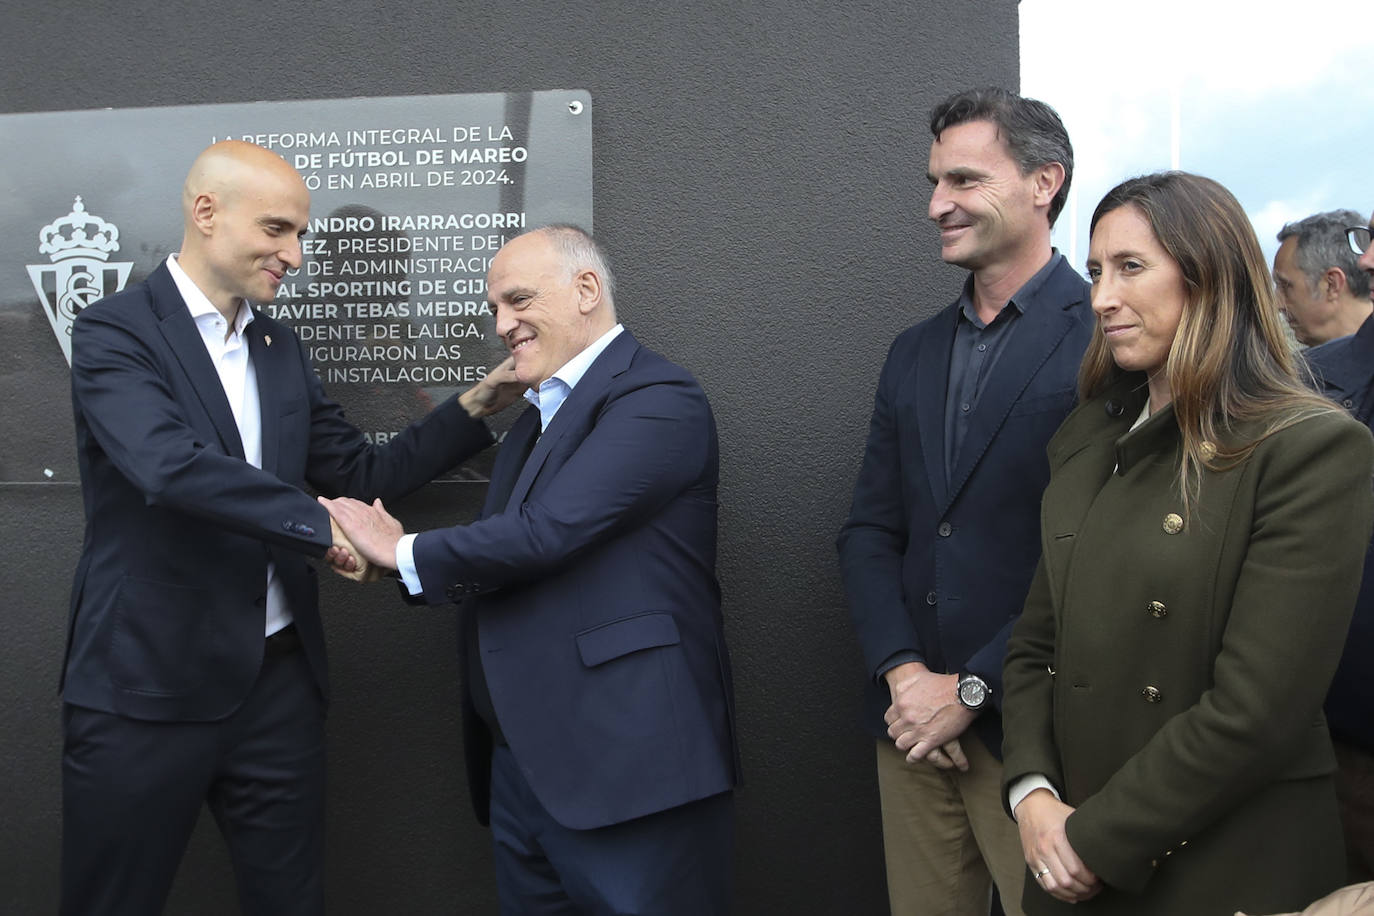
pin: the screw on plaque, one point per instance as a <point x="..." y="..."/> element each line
<point x="575" y="107"/>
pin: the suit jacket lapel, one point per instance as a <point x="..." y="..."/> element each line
<point x="1034" y="337"/>
<point x="932" y="382"/>
<point x="614" y="360"/>
<point x="181" y="333"/>
<point x="268" y="366"/>
<point x="513" y="455"/>
<point x="1346" y="377"/>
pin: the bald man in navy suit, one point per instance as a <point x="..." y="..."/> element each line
<point x="195" y="664"/>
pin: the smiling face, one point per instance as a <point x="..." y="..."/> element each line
<point x="259" y="237"/>
<point x="986" y="210"/>
<point x="545" y="312"/>
<point x="1138" y="295"/>
<point x="246" y="210"/>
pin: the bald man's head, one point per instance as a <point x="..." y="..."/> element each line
<point x="244" y="210"/>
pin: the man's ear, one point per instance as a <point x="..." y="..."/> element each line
<point x="589" y="290"/>
<point x="203" y="210"/>
<point x="1049" y="178"/>
<point x="1334" y="283"/>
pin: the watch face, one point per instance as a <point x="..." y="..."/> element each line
<point x="972" y="691"/>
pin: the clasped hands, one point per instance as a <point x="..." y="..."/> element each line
<point x="365" y="538"/>
<point x="926" y="717"/>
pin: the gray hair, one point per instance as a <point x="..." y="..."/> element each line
<point x="580" y="251"/>
<point x="1032" y="131"/>
<point x="1321" y="244"/>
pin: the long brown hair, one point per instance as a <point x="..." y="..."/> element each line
<point x="1230" y="362"/>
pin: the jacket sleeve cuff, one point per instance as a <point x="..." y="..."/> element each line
<point x="1025" y="785"/>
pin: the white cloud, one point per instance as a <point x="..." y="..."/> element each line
<point x="1272" y="99"/>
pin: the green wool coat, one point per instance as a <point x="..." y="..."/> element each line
<point x="1169" y="681"/>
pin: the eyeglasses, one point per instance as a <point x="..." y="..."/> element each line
<point x="1358" y="236"/>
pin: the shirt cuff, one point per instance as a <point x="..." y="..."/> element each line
<point x="1017" y="791"/>
<point x="405" y="564"/>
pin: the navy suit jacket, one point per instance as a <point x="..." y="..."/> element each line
<point x="595" y="599"/>
<point x="1345" y="372"/>
<point x="169" y="600"/>
<point x="943" y="569"/>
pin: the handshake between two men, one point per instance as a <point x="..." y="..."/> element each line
<point x="364" y="537"/>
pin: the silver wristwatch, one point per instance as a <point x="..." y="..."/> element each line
<point x="973" y="690"/>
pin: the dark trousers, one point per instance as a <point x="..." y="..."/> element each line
<point x="677" y="862"/>
<point x="132" y="790"/>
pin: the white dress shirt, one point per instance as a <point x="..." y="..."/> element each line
<point x="228" y="349"/>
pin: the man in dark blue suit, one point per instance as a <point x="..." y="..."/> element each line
<point x="943" y="534"/>
<point x="598" y="713"/>
<point x="1344" y="370"/>
<point x="195" y="666"/>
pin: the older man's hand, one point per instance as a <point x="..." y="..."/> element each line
<point x="371" y="530"/>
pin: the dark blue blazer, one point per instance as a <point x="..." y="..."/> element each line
<point x="943" y="569"/>
<point x="1344" y="369"/>
<point x="169" y="599"/>
<point x="595" y="599"/>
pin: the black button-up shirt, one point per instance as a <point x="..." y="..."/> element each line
<point x="977" y="347"/>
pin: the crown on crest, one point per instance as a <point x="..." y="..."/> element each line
<point x="78" y="234"/>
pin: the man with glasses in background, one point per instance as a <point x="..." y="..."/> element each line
<point x="1322" y="293"/>
<point x="1344" y="370"/>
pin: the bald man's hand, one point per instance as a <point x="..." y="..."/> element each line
<point x="494" y="393"/>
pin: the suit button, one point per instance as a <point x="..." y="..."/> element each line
<point x="1347" y="404"/>
<point x="306" y="530"/>
<point x="1152" y="694"/>
<point x="1157" y="609"/>
<point x="288" y="526"/>
<point x="1173" y="523"/>
<point x="930" y="598"/>
<point x="1115" y="408"/>
<point x="452" y="592"/>
<point x="945" y="529"/>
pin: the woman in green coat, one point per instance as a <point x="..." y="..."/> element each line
<point x="1203" y="535"/>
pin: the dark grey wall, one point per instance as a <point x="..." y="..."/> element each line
<point x="759" y="182"/>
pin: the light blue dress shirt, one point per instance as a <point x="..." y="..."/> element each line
<point x="548" y="397"/>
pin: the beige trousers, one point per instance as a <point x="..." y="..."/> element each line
<point x="946" y="837"/>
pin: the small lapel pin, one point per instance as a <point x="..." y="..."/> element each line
<point x="267" y="339"/>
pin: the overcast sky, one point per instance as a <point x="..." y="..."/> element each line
<point x="1273" y="100"/>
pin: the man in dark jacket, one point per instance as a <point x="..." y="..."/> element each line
<point x="1344" y="369"/>
<point x="943" y="534"/>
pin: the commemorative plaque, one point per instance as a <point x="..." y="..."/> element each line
<point x="410" y="198"/>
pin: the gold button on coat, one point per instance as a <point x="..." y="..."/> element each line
<point x="1173" y="523"/>
<point x="1157" y="609"/>
<point x="1152" y="694"/>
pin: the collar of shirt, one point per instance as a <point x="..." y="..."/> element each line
<point x="1023" y="298"/>
<point x="203" y="310"/>
<point x="554" y="390"/>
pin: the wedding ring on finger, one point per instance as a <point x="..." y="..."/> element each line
<point x="1042" y="873"/>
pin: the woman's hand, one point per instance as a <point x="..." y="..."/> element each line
<point x="1041" y="817"/>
